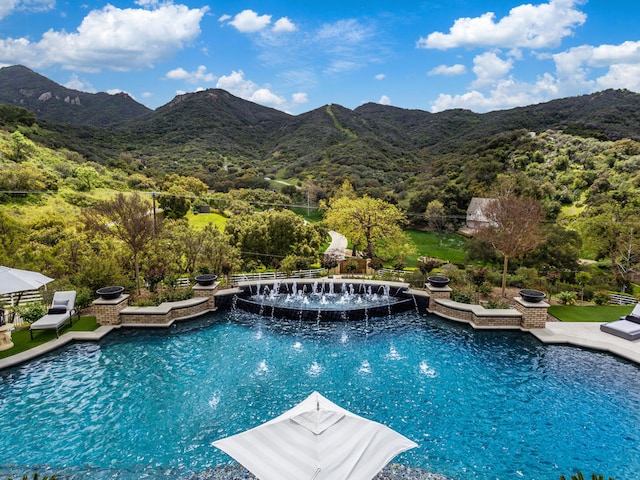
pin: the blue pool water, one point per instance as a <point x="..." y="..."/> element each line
<point x="481" y="405"/>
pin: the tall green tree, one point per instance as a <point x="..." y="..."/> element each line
<point x="126" y="218"/>
<point x="365" y="221"/>
<point x="273" y="234"/>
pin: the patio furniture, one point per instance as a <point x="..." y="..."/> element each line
<point x="62" y="310"/>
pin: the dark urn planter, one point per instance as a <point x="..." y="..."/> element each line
<point x="206" y="280"/>
<point x="438" y="281"/>
<point x="110" y="293"/>
<point x="532" y="296"/>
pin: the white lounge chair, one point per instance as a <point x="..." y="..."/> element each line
<point x="63" y="308"/>
<point x="628" y="327"/>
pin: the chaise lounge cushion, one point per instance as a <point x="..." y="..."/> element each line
<point x="623" y="329"/>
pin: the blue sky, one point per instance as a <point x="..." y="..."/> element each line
<point x="296" y="55"/>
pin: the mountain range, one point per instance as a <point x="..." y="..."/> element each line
<point x="200" y="133"/>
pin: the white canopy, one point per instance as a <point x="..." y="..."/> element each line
<point x="317" y="440"/>
<point x="14" y="280"/>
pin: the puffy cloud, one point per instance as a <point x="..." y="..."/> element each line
<point x="384" y="100"/>
<point x="299" y="98"/>
<point x="506" y="93"/>
<point x="119" y="39"/>
<point x="530" y="26"/>
<point x="574" y="67"/>
<point x="249" y="21"/>
<point x="621" y="76"/>
<point x="380" y="76"/>
<point x="7" y="7"/>
<point x="200" y="75"/>
<point x="489" y="68"/>
<point x="75" y="83"/>
<point x="236" y="84"/>
<point x="284" y="25"/>
<point x="447" y="70"/>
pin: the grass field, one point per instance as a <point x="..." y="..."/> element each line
<point x="200" y="220"/>
<point x="22" y="339"/>
<point x="428" y="244"/>
<point x="589" y="313"/>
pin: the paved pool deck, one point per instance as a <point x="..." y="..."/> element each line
<point x="588" y="335"/>
<point x="585" y="335"/>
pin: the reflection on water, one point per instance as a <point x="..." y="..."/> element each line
<point x="149" y="403"/>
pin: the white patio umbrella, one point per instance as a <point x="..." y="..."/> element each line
<point x="14" y="280"/>
<point x="318" y="440"/>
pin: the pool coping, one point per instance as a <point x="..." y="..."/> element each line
<point x="580" y="334"/>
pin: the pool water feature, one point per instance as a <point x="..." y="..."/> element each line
<point x="480" y="404"/>
<point x="325" y="300"/>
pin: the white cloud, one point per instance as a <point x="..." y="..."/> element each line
<point x="489" y="68"/>
<point x="529" y="26"/>
<point x="147" y="94"/>
<point x="249" y="21"/>
<point x="224" y="18"/>
<point x="380" y="76"/>
<point x="384" y="100"/>
<point x="299" y="98"/>
<point x="119" y="39"/>
<point x="448" y="70"/>
<point x="76" y="83"/>
<point x="506" y="93"/>
<point x="343" y="32"/>
<point x="284" y="25"/>
<point x="7" y="7"/>
<point x="236" y="84"/>
<point x="621" y="76"/>
<point x="574" y="67"/>
<point x="200" y="75"/>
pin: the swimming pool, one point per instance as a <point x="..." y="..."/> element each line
<point x="480" y="405"/>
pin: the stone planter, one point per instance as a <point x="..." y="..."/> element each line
<point x="438" y="281"/>
<point x="206" y="280"/>
<point x="532" y="296"/>
<point x="110" y="293"/>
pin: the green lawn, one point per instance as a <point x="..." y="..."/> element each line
<point x="589" y="313"/>
<point x="311" y="215"/>
<point x="200" y="220"/>
<point x="22" y="340"/>
<point x="428" y="244"/>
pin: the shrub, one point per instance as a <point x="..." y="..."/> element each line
<point x="462" y="296"/>
<point x="31" y="312"/>
<point x="568" y="298"/>
<point x="601" y="298"/>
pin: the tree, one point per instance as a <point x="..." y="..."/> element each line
<point x="436" y="217"/>
<point x="21" y="146"/>
<point x="270" y="234"/>
<point x="513" y="227"/>
<point x="127" y="218"/>
<point x="364" y="220"/>
<point x="87" y="177"/>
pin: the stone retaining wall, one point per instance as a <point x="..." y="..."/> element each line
<point x="165" y="313"/>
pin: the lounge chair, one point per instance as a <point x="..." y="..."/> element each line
<point x="63" y="308"/>
<point x="634" y="316"/>
<point x="628" y="327"/>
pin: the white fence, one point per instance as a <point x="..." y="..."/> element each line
<point x="618" y="299"/>
<point x="12" y="299"/>
<point x="247" y="277"/>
